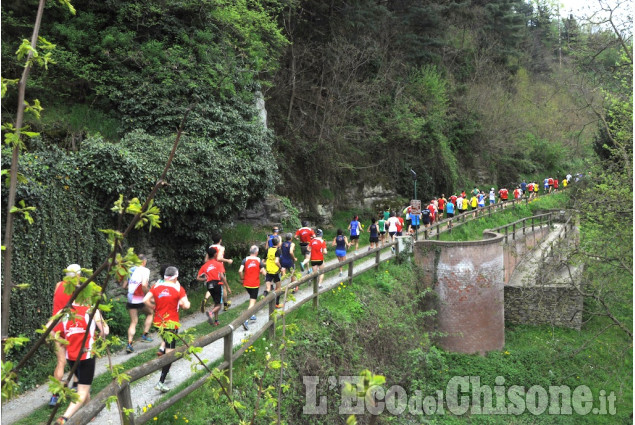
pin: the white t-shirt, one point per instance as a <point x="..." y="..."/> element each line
<point x="392" y="224"/>
<point x="492" y="195"/>
<point x="139" y="276"/>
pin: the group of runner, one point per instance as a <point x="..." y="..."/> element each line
<point x="161" y="301"/>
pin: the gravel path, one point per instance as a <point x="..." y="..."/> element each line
<point x="143" y="392"/>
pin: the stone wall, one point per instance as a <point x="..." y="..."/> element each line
<point x="556" y="305"/>
<point x="514" y="250"/>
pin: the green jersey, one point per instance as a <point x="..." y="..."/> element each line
<point x="382" y="225"/>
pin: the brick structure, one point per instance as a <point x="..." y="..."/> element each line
<point x="468" y="279"/>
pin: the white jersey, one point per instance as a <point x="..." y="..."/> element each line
<point x="139" y="276"/>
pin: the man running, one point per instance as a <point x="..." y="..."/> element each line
<point x="287" y="258"/>
<point x="304" y="234"/>
<point x="272" y="266"/>
<point x="60" y="299"/>
<point x="442" y="201"/>
<point x="250" y="270"/>
<point x="217" y="240"/>
<point x="73" y="328"/>
<point x="318" y="249"/>
<point x="165" y="298"/>
<point x="492" y="196"/>
<point x="382" y="230"/>
<point x="212" y="273"/>
<point x="355" y="228"/>
<point x="373" y="239"/>
<point x="138" y="286"/>
<point x="275" y="234"/>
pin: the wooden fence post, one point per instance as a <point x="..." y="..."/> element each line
<point x="377" y="259"/>
<point x="514" y="230"/>
<point x="125" y="401"/>
<point x="228" y="344"/>
<point x="532" y="223"/>
<point x="316" y="289"/>
<point x="506" y="232"/>
<point x="524" y="224"/>
<point x="350" y="272"/>
<point x="272" y="308"/>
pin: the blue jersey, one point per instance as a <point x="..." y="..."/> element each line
<point x="354" y="228"/>
<point x="449" y="208"/>
<point x="414" y="219"/>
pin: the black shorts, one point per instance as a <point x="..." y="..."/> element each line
<point x="215" y="290"/>
<point x="374" y="239"/>
<point x="85" y="372"/>
<point x="135" y="306"/>
<point x="317" y="262"/>
<point x="304" y="248"/>
<point x="275" y="278"/>
<point x="399" y="234"/>
<point x="253" y="293"/>
<point x="450" y="215"/>
<point x="416" y="226"/>
<point x="353" y="237"/>
<point x="392" y="233"/>
<point x="172" y="344"/>
<point x="382" y="233"/>
<point x="288" y="266"/>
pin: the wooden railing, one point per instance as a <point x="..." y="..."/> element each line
<point x="226" y="333"/>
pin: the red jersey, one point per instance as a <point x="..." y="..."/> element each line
<point x="317" y="245"/>
<point x="166" y="297"/>
<point x="73" y="328"/>
<point x="550" y="181"/>
<point x="251" y="271"/>
<point x="530" y="187"/>
<point x="517" y="193"/>
<point x="432" y="211"/>
<point x="503" y="193"/>
<point x="212" y="270"/>
<point x="60" y="298"/>
<point x="305" y="234"/>
<point x="555" y="183"/>
<point x="442" y="204"/>
<point x="453" y="199"/>
<point x="400" y="224"/>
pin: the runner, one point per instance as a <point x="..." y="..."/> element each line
<point x="138" y="286"/>
<point x="220" y="256"/>
<point x="392" y="226"/>
<point x="453" y="199"/>
<point x="523" y="186"/>
<point x="466" y="204"/>
<point x="518" y="193"/>
<point x="555" y="185"/>
<point x="565" y="182"/>
<point x="318" y="249"/>
<point x="481" y="200"/>
<point x="425" y="218"/>
<point x="536" y="187"/>
<point x="474" y="204"/>
<point x="212" y="273"/>
<point x="60" y="299"/>
<point x="459" y="204"/>
<point x="415" y="222"/>
<point x="165" y="298"/>
<point x="400" y="225"/>
<point x="73" y="328"/>
<point x="250" y="270"/>
<point x="304" y="235"/>
<point x="433" y="212"/>
<point x="287" y="258"/>
<point x="503" y="194"/>
<point x="442" y="202"/>
<point x="341" y="244"/>
<point x="546" y="184"/>
<point x="550" y="181"/>
<point x="272" y="266"/>
<point x="492" y="196"/>
<point x="211" y="253"/>
<point x="275" y="234"/>
<point x="449" y="210"/>
<point x="355" y="229"/>
<point x="373" y="229"/>
<point x="382" y="230"/>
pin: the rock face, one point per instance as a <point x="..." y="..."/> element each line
<point x="266" y="212"/>
<point x="369" y="196"/>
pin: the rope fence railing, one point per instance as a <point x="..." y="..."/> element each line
<point x="355" y="265"/>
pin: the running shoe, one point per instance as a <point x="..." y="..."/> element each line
<point x="160" y="386"/>
<point x="210" y="318"/>
<point x="146" y="338"/>
<point x="253" y="318"/>
<point x="216" y="323"/>
<point x="246" y="325"/>
<point x="265" y="293"/>
<point x="53" y="400"/>
<point x="279" y="305"/>
<point x="341" y="274"/>
<point x="302" y="267"/>
<point x="160" y="352"/>
<point x="61" y="420"/>
<point x="129" y="348"/>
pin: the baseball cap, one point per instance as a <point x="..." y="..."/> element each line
<point x="73" y="270"/>
<point x="318" y="232"/>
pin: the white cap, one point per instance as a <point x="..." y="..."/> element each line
<point x="73" y="270"/>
